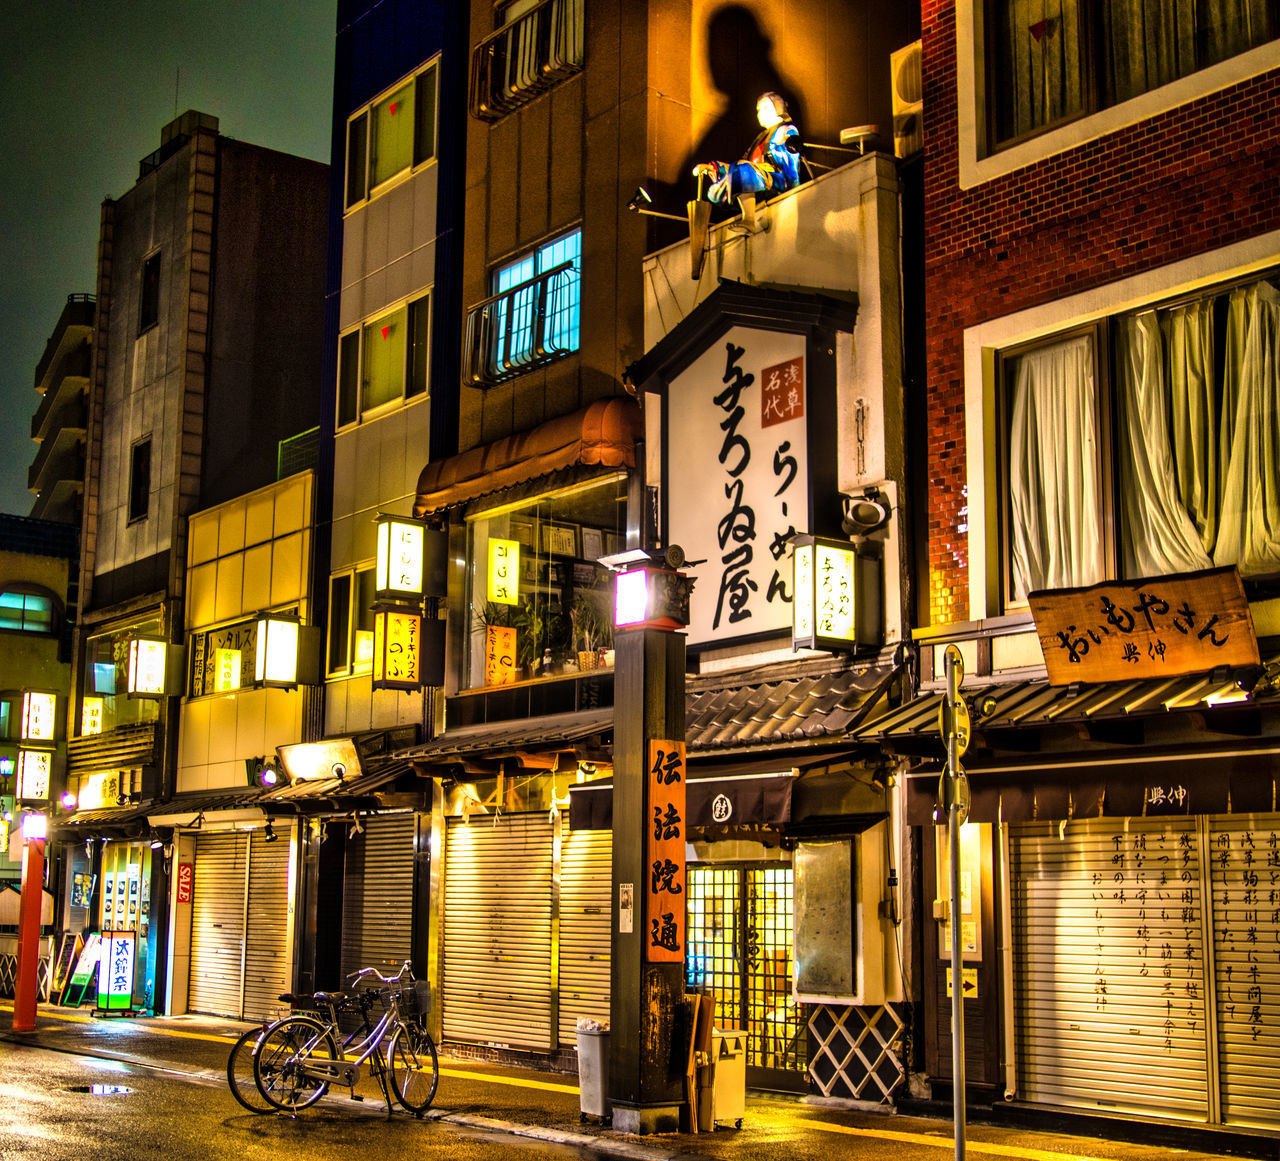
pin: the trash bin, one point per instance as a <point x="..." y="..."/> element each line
<point x="593" y="1068"/>
<point x="729" y="1077"/>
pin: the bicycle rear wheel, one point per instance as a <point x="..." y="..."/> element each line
<point x="278" y="1063"/>
<point x="240" y="1073"/>
<point x="414" y="1070"/>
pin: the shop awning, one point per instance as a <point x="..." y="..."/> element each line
<point x="229" y="803"/>
<point x="107" y="821"/>
<point x="494" y="741"/>
<point x="752" y="799"/>
<point x="601" y="435"/>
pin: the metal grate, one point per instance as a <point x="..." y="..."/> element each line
<point x="297" y="453"/>
<point x="712" y="932"/>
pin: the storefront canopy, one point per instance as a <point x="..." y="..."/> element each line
<point x="751" y="799"/>
<point x="601" y="435"/>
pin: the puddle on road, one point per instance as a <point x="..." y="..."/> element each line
<point x="100" y="1089"/>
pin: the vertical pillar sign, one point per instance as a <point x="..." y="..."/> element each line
<point x="665" y="836"/>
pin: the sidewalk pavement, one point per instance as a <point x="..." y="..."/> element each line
<point x="545" y="1106"/>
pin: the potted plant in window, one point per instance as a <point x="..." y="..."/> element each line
<point x="592" y="626"/>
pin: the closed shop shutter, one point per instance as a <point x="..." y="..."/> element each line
<point x="268" y="967"/>
<point x="497" y="931"/>
<point x="217" y="924"/>
<point x="377" y="896"/>
<point x="586" y="894"/>
<point x="1244" y="861"/>
<point x="1109" y="965"/>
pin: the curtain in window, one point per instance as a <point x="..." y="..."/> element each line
<point x="1037" y="62"/>
<point x="1249" y="534"/>
<point x="1164" y="430"/>
<point x="1054" y="477"/>
<point x="1147" y="43"/>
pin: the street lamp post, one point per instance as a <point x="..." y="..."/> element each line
<point x="646" y="1062"/>
<point x="27" y="985"/>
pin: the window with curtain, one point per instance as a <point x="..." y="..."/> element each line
<point x="1050" y="61"/>
<point x="1191" y="423"/>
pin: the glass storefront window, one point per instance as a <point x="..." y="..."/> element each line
<point x="105" y="703"/>
<point x="539" y="598"/>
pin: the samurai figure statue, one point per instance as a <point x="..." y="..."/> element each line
<point x="770" y="166"/>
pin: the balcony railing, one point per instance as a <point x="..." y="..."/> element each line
<point x="74" y="366"/>
<point x="527" y="57"/>
<point x="524" y="327"/>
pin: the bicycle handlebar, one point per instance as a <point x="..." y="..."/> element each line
<point x="399" y="977"/>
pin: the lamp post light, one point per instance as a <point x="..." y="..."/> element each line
<point x="27" y="984"/>
<point x="646" y="1069"/>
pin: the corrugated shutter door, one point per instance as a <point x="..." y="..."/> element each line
<point x="1245" y="873"/>
<point x="1109" y="966"/>
<point x="497" y="930"/>
<point x="586" y="894"/>
<point x="267" y="954"/>
<point x="217" y="924"/>
<point x="377" y="896"/>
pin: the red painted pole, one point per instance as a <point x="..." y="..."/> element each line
<point x="27" y="986"/>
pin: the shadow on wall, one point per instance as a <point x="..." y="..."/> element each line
<point x="740" y="60"/>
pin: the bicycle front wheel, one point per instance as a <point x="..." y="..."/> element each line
<point x="414" y="1070"/>
<point x="240" y="1072"/>
<point x="279" y="1062"/>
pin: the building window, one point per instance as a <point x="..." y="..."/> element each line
<point x="391" y="136"/>
<point x="1144" y="446"/>
<point x="105" y="703"/>
<point x="149" y="296"/>
<point x="140" y="479"/>
<point x="385" y="361"/>
<point x="26" y="610"/>
<point x="1050" y="61"/>
<point x="532" y="317"/>
<point x="537" y="47"/>
<point x="351" y="597"/>
<point x="540" y="600"/>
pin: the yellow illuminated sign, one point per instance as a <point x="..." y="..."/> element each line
<point x="34" y="767"/>
<point x="276" y="662"/>
<point x="823" y="594"/>
<point x="397" y="635"/>
<point x="91" y="716"/>
<point x="146" y="667"/>
<point x="38" y="716"/>
<point x="226" y="670"/>
<point x="400" y="557"/>
<point x="504" y="572"/>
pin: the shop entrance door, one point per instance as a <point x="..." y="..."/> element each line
<point x="740" y="932"/>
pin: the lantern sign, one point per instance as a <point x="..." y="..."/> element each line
<point x="91" y="716"/>
<point x="651" y="598"/>
<point x="397" y="648"/>
<point x="115" y="971"/>
<point x="665" y="838"/>
<point x="504" y="572"/>
<point x="34" y="767"/>
<point x="147" y="659"/>
<point x="276" y="660"/>
<point x="401" y="551"/>
<point x="825" y="588"/>
<point x="34" y="826"/>
<point x="39" y="713"/>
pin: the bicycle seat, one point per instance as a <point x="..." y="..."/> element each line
<point x="330" y="997"/>
<point x="292" y="998"/>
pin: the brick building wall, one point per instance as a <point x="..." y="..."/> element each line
<point x="1196" y="177"/>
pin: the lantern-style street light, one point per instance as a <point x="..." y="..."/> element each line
<point x="835" y="596"/>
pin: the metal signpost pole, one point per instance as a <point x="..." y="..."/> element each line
<point x="955" y="798"/>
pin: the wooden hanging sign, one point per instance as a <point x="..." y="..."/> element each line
<point x="1141" y="629"/>
<point x="665" y="837"/>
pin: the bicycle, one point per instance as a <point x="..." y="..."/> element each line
<point x="240" y="1078"/>
<point x="298" y="1058"/>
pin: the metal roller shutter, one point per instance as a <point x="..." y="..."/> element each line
<point x="586" y="894"/>
<point x="1109" y="965"/>
<point x="268" y="966"/>
<point x="377" y="896"/>
<point x="1244" y="860"/>
<point x="497" y="930"/>
<point x="217" y="924"/>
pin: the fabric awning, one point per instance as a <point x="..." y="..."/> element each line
<point x="727" y="800"/>
<point x="601" y="435"/>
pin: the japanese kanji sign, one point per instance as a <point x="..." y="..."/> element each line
<point x="499" y="655"/>
<point x="665" y="837"/>
<point x="1158" y="627"/>
<point x="115" y="971"/>
<point x="397" y="649"/>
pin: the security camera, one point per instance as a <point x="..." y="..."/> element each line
<point x="865" y="514"/>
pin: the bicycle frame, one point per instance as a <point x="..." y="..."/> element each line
<point x="347" y="1072"/>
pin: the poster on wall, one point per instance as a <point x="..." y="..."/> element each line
<point x="737" y="423"/>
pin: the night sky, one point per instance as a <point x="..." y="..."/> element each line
<point x="85" y="89"/>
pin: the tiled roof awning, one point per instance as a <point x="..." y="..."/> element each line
<point x="186" y="809"/>
<point x="801" y="709"/>
<point x="507" y="739"/>
<point x="913" y="727"/>
<point x="109" y="821"/>
<point x="603" y="435"/>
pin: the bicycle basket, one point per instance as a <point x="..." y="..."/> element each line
<point x="413" y="999"/>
